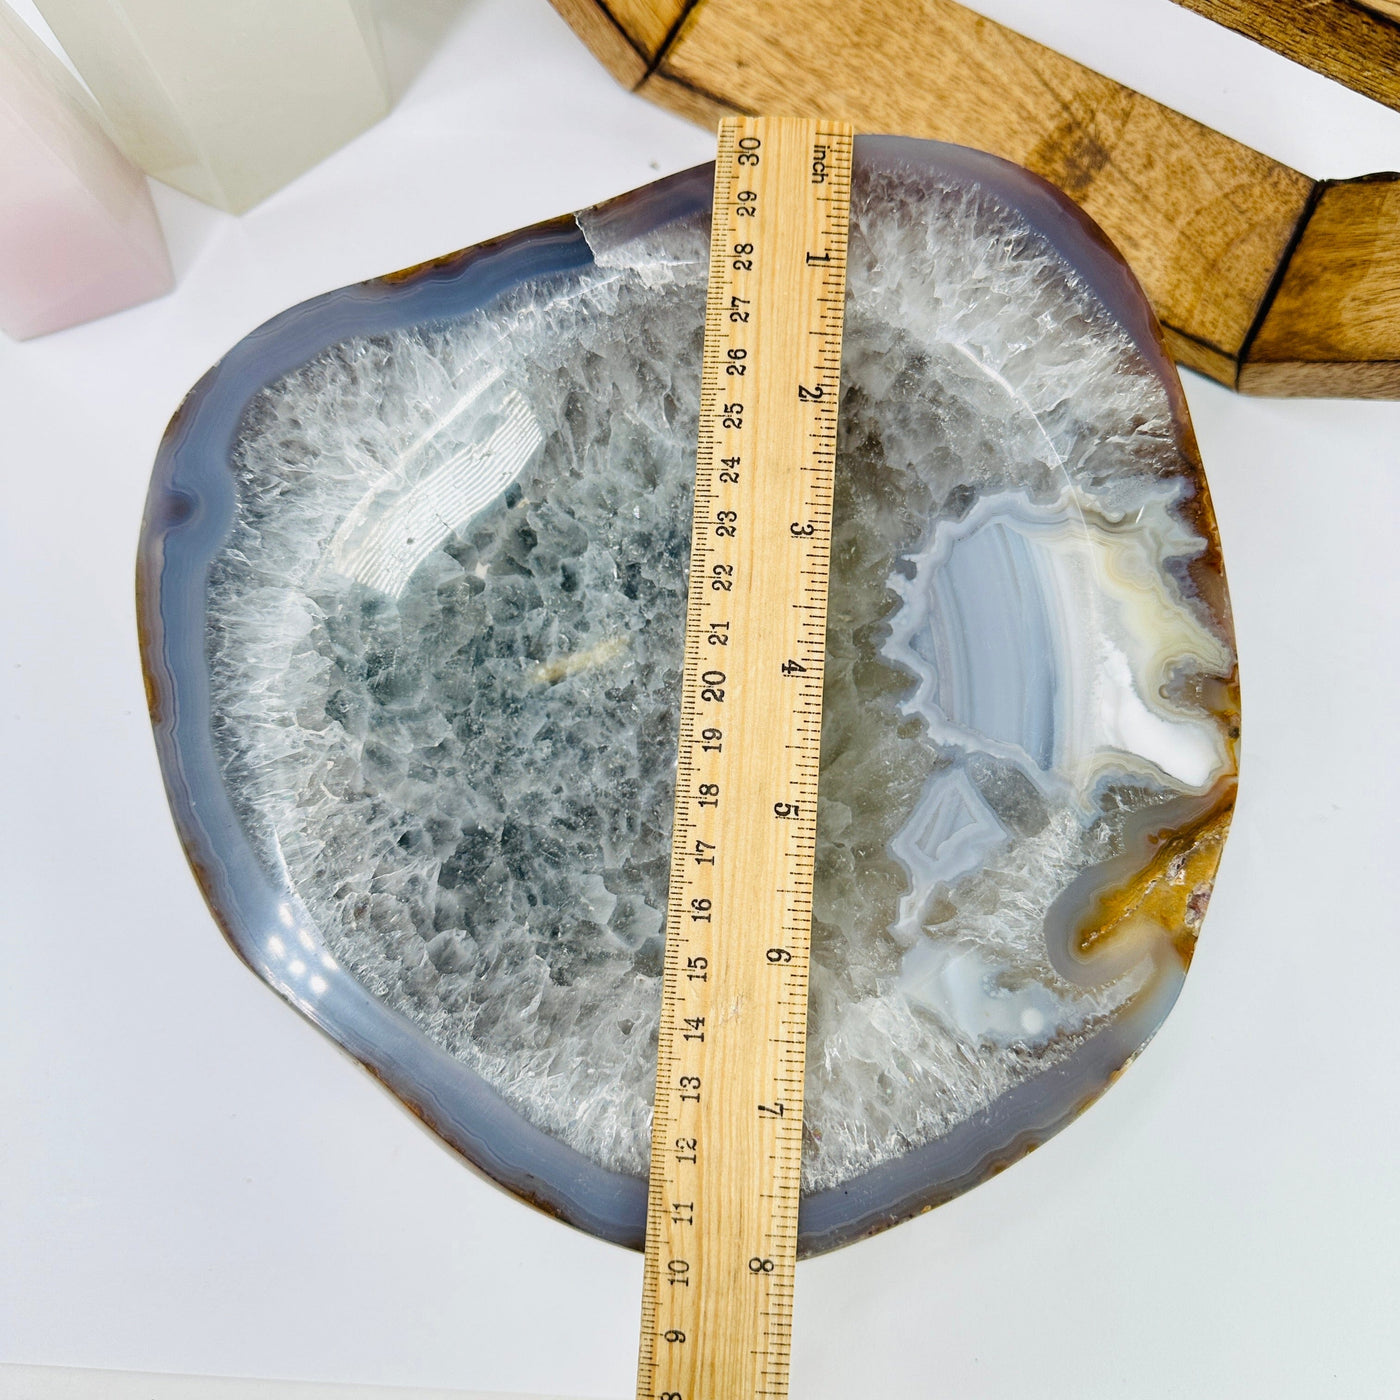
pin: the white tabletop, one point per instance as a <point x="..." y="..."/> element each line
<point x="194" y="1180"/>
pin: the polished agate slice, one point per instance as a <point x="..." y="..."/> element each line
<point x="414" y="578"/>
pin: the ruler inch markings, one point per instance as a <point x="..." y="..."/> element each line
<point x="721" y="1244"/>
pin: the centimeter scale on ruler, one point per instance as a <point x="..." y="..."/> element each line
<point x="727" y="1130"/>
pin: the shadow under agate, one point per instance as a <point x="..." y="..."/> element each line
<point x="189" y="515"/>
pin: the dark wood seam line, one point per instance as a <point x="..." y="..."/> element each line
<point x="666" y="75"/>
<point x="617" y="24"/>
<point x="1193" y="337"/>
<point x="671" y="35"/>
<point x="1280" y="272"/>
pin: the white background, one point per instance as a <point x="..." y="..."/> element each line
<point x="194" y="1180"/>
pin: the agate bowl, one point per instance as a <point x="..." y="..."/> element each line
<point x="411" y="593"/>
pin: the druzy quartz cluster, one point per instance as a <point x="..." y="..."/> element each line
<point x="443" y="631"/>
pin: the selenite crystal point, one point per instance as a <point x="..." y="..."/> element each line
<point x="414" y="578"/>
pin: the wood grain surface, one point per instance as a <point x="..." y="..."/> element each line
<point x="1208" y="224"/>
<point x="1355" y="42"/>
<point x="1331" y="325"/>
<point x="608" y="41"/>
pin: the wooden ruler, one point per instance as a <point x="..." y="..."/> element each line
<point x="727" y="1134"/>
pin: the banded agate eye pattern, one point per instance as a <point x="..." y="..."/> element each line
<point x="413" y="581"/>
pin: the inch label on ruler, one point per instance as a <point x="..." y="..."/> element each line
<point x="721" y="1247"/>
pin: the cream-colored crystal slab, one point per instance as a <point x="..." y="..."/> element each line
<point x="78" y="234"/>
<point x="227" y="101"/>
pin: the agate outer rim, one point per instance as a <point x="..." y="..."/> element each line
<point x="188" y="514"/>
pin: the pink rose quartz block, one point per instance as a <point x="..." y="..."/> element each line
<point x="79" y="237"/>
